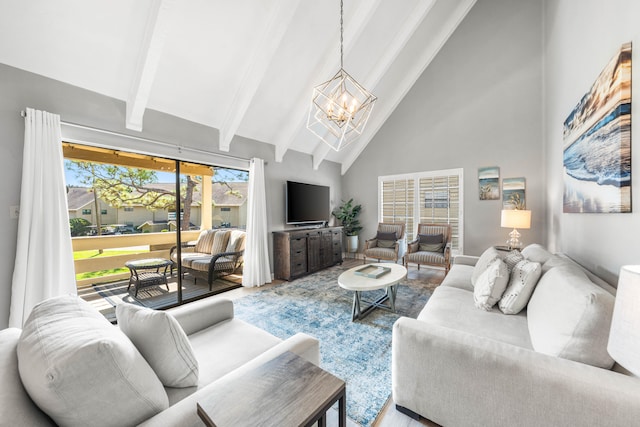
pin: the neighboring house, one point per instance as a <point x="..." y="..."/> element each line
<point x="229" y="209"/>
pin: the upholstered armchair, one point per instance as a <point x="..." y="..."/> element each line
<point x="386" y="244"/>
<point x="432" y="247"/>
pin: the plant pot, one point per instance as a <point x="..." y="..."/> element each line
<point x="352" y="244"/>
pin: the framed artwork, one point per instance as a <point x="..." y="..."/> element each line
<point x="489" y="183"/>
<point x="597" y="143"/>
<point x="513" y="193"/>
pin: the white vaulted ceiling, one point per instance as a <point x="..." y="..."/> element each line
<point x="246" y="67"/>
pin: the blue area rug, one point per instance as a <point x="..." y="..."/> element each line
<point x="358" y="352"/>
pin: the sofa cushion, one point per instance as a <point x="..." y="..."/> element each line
<point x="454" y="308"/>
<point x="220" y="241"/>
<point x="79" y="368"/>
<point x="487" y="257"/>
<point x="204" y="242"/>
<point x="222" y="348"/>
<point x="523" y="280"/>
<point x="569" y="316"/>
<point x="236" y="241"/>
<point x="491" y="285"/>
<point x="162" y="342"/>
<point x="459" y="277"/>
<point x="16" y="407"/>
<point x="537" y="253"/>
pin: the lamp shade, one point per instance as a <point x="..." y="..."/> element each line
<point x="514" y="218"/>
<point x="624" y="338"/>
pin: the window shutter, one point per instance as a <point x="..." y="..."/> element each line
<point x="426" y="197"/>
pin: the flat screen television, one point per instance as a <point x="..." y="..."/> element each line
<point x="306" y="203"/>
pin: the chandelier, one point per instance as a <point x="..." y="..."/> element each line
<point x="340" y="107"/>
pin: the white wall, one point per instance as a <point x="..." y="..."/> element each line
<point x="580" y="38"/>
<point x="479" y="103"/>
<point x="20" y="89"/>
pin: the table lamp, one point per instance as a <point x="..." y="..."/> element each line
<point x="515" y="218"/>
<point x="624" y="338"/>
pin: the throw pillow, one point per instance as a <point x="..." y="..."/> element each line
<point x="524" y="277"/>
<point x="431" y="238"/>
<point x="487" y="257"/>
<point x="79" y="368"/>
<point x="162" y="342"/>
<point x="386" y="240"/>
<point x="491" y="285"/>
<point x="569" y="316"/>
<point x="431" y="242"/>
<point x="512" y="258"/>
<point x="386" y="236"/>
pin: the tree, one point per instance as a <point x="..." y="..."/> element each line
<point x="123" y="186"/>
<point x="79" y="226"/>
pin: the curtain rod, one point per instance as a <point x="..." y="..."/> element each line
<point x="153" y="141"/>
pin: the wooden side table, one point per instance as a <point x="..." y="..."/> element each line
<point x="286" y="391"/>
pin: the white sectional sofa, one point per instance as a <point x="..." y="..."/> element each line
<point x="70" y="366"/>
<point x="459" y="365"/>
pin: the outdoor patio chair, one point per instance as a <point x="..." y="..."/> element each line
<point x="432" y="246"/>
<point x="386" y="244"/>
<point x="216" y="253"/>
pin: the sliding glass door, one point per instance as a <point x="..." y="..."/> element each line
<point x="131" y="215"/>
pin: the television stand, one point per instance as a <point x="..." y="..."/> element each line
<point x="300" y="252"/>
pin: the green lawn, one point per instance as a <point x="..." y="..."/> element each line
<point x="105" y="253"/>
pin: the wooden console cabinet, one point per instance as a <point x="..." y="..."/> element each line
<point x="304" y="251"/>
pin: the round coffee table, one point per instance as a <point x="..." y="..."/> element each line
<point x="352" y="281"/>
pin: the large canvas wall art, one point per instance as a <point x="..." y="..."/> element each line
<point x="597" y="143"/>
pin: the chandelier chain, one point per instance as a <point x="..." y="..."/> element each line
<point x="341" y="32"/>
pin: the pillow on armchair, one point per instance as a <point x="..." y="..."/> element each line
<point x="431" y="242"/>
<point x="386" y="240"/>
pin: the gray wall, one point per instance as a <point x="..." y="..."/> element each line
<point x="580" y="39"/>
<point x="20" y="89"/>
<point x="479" y="103"/>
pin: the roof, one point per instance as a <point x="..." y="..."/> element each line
<point x="78" y="197"/>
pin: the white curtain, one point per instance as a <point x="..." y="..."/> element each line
<point x="256" y="270"/>
<point x="44" y="255"/>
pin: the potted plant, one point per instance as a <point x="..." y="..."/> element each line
<point x="347" y="213"/>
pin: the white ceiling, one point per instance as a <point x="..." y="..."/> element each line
<point x="246" y="67"/>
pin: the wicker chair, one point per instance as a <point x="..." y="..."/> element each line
<point x="216" y="253"/>
<point x="440" y="258"/>
<point x="373" y="248"/>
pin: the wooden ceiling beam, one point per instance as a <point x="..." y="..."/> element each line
<point x="85" y="153"/>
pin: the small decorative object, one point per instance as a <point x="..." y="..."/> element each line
<point x="597" y="143"/>
<point x="624" y="338"/>
<point x="372" y="271"/>
<point x="489" y="183"/>
<point x="513" y="193"/>
<point x="515" y="218"/>
<point x="340" y="107"/>
<point x="347" y="213"/>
